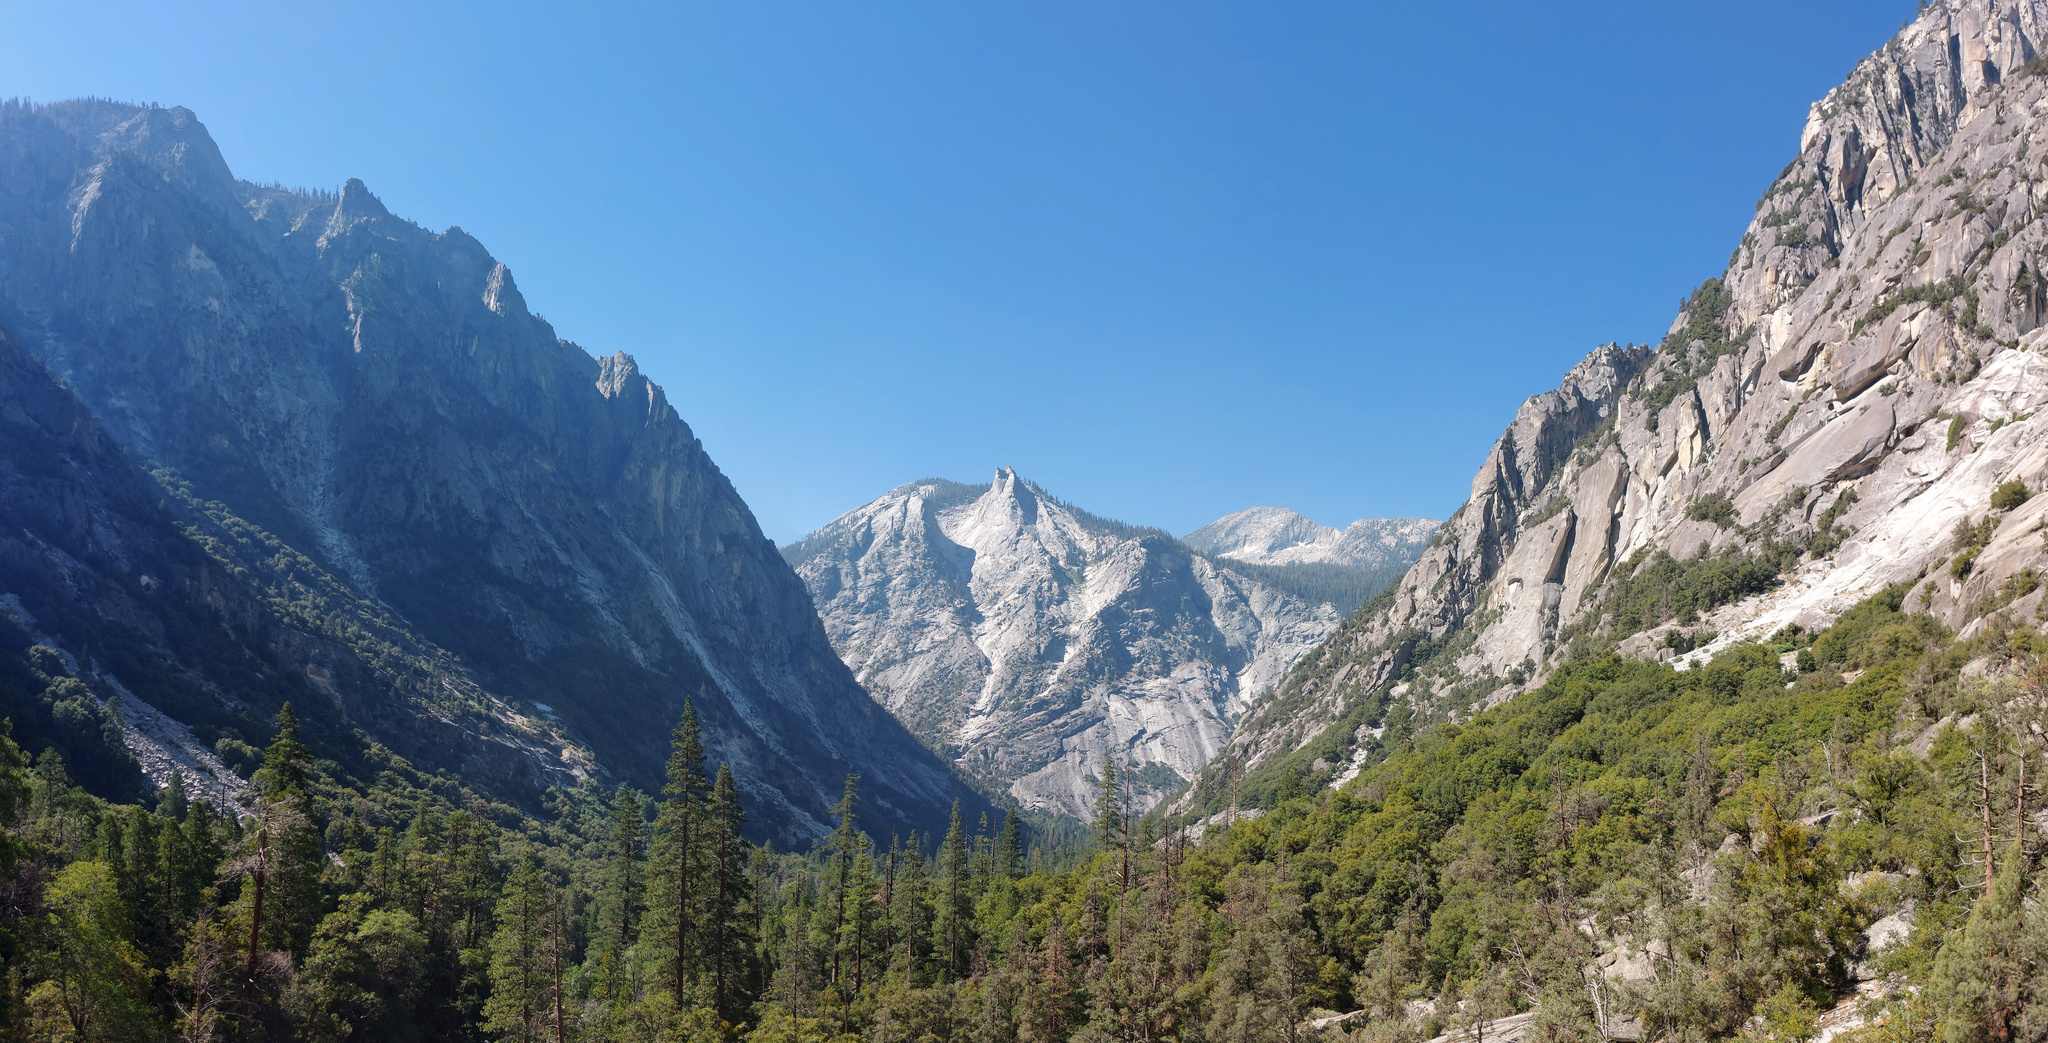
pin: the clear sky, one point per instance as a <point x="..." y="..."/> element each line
<point x="1169" y="259"/>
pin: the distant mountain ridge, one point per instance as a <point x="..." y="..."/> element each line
<point x="379" y="398"/>
<point x="1285" y="550"/>
<point x="1031" y="641"/>
<point x="1277" y="536"/>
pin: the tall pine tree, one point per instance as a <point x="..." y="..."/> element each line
<point x="672" y="932"/>
<point x="846" y="844"/>
<point x="956" y="898"/>
<point x="618" y="897"/>
<point x="729" y="917"/>
<point x="518" y="969"/>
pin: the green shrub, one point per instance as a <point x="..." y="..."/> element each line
<point x="1658" y="587"/>
<point x="1964" y="562"/>
<point x="240" y="757"/>
<point x="1940" y="294"/>
<point x="2010" y="495"/>
<point x="2016" y="586"/>
<point x="1968" y="539"/>
<point x="1827" y="535"/>
<point x="1716" y="507"/>
<point x="1778" y="428"/>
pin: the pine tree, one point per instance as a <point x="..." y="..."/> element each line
<point x="618" y="896"/>
<point x="518" y="959"/>
<point x="174" y="803"/>
<point x="1980" y="980"/>
<point x="556" y="928"/>
<point x="1109" y="812"/>
<point x="296" y="858"/>
<point x="280" y="858"/>
<point x="956" y="899"/>
<point x="846" y="842"/>
<point x="468" y="885"/>
<point x="858" y="935"/>
<point x="1010" y="847"/>
<point x="1696" y="804"/>
<point x="181" y="881"/>
<point x="984" y="850"/>
<point x="800" y="972"/>
<point x="910" y="913"/>
<point x="146" y="884"/>
<point x="286" y="761"/>
<point x="671" y="933"/>
<point x="729" y="918"/>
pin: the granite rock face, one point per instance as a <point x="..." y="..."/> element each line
<point x="1870" y="367"/>
<point x="380" y="397"/>
<point x="1030" y="641"/>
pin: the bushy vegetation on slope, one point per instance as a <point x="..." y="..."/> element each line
<point x="1734" y="829"/>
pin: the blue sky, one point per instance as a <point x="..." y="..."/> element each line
<point x="1168" y="259"/>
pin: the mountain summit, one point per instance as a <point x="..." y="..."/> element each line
<point x="1032" y="641"/>
<point x="379" y="398"/>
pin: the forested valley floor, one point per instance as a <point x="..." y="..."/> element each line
<point x="1628" y="850"/>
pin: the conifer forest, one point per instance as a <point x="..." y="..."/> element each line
<point x="1735" y="833"/>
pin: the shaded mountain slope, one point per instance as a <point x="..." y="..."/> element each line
<point x="143" y="633"/>
<point x="380" y="397"/>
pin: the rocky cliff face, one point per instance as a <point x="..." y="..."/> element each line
<point x="1277" y="536"/>
<point x="1030" y="641"/>
<point x="1829" y="417"/>
<point x="380" y="398"/>
<point x="144" y="634"/>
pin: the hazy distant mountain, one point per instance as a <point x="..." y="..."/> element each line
<point x="1278" y="536"/>
<point x="1030" y="640"/>
<point x="1316" y="562"/>
<point x="379" y="398"/>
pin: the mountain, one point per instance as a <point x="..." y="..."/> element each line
<point x="1344" y="567"/>
<point x="1277" y="536"/>
<point x="143" y="633"/>
<point x="1030" y="640"/>
<point x="379" y="400"/>
<point x="1839" y="411"/>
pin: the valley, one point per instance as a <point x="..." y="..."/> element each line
<point x="378" y="664"/>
